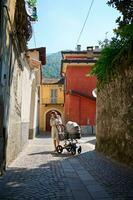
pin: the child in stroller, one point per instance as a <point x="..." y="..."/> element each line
<point x="70" y="133"/>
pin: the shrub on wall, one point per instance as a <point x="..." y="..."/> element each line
<point x="120" y="48"/>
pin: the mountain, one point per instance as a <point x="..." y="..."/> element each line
<point x="52" y="67"/>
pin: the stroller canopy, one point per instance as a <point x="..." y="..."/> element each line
<point x="72" y="127"/>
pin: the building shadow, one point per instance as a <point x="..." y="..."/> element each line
<point x="48" y="179"/>
<point x="54" y="154"/>
<point x="92" y="141"/>
<point x="43" y="135"/>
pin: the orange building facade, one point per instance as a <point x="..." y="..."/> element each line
<point x="80" y="104"/>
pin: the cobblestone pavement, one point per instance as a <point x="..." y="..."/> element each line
<point x="39" y="174"/>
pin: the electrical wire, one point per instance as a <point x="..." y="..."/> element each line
<point x="85" y="22"/>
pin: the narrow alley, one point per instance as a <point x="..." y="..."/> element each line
<point x="66" y="77"/>
<point x="38" y="173"/>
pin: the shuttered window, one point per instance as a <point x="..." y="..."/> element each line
<point x="54" y="96"/>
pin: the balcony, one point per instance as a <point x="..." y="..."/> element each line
<point x="52" y="101"/>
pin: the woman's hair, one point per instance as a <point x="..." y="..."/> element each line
<point x="54" y="113"/>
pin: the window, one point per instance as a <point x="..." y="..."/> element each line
<point x="54" y="96"/>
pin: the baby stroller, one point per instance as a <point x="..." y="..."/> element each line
<point x="69" y="135"/>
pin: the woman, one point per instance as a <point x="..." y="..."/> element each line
<point x="54" y="131"/>
<point x="60" y="126"/>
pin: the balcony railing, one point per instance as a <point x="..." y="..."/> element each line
<point x="52" y="101"/>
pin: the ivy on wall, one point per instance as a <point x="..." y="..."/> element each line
<point x="32" y="3"/>
<point x="31" y="9"/>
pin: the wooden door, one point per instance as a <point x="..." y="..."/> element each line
<point x="48" y="127"/>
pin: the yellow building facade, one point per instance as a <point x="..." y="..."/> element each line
<point x="51" y="98"/>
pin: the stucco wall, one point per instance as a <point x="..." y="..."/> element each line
<point x="77" y="79"/>
<point x="45" y="93"/>
<point x="23" y="112"/>
<point x="14" y="125"/>
<point x="17" y="127"/>
<point x="115" y="118"/>
<point x="25" y="105"/>
<point x="34" y="105"/>
<point x="26" y="94"/>
<point x="16" y="86"/>
<point x="33" y="111"/>
<point x="79" y="108"/>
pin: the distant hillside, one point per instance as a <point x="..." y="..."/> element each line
<point x="52" y="67"/>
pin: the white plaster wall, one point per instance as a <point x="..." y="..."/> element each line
<point x="34" y="114"/>
<point x="34" y="106"/>
<point x="35" y="124"/>
<point x="13" y="126"/>
<point x="26" y="95"/>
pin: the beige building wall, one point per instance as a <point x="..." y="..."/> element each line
<point x="26" y="101"/>
<point x="13" y="127"/>
<point x="11" y="4"/>
<point x="26" y="95"/>
<point x="23" y="111"/>
<point x="34" y="107"/>
<point x="34" y="111"/>
<point x="12" y="89"/>
<point x="45" y="93"/>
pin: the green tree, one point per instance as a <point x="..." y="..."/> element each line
<point x="125" y="7"/>
<point x="120" y="48"/>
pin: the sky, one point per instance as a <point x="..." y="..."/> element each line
<point x="60" y="22"/>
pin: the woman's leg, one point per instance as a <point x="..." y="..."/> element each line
<point x="54" y="144"/>
<point x="57" y="142"/>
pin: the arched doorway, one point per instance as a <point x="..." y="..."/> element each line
<point x="48" y="127"/>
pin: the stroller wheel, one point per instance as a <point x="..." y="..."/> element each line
<point x="59" y="149"/>
<point x="73" y="151"/>
<point x="79" y="150"/>
<point x="68" y="149"/>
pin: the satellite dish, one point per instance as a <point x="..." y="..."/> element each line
<point x="94" y="92"/>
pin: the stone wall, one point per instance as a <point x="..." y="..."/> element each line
<point x="115" y="118"/>
<point x="88" y="130"/>
<point x="13" y="128"/>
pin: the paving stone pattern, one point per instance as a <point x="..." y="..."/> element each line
<point x="39" y="174"/>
